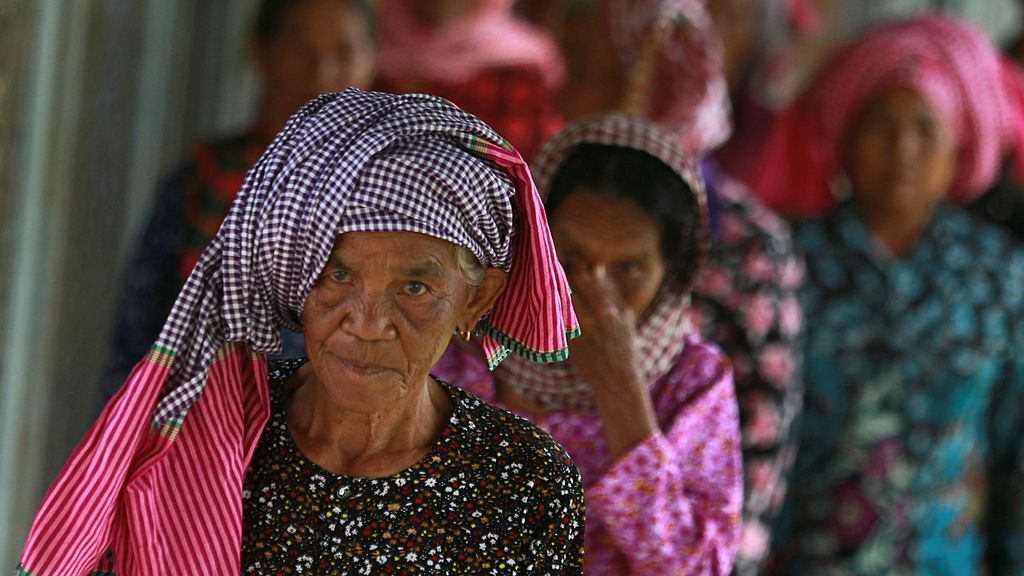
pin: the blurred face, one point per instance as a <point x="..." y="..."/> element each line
<point x="441" y="12"/>
<point x="736" y="24"/>
<point x="610" y="237"/>
<point x="321" y="46"/>
<point x="382" y="312"/>
<point x="593" y="81"/>
<point x="901" y="157"/>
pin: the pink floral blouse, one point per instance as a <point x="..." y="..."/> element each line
<point x="670" y="506"/>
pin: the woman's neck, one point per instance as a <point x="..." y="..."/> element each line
<point x="898" y="231"/>
<point x="366" y="442"/>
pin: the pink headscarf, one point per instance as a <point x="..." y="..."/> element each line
<point x="672" y="60"/>
<point x="950" y="64"/>
<point x="489" y="38"/>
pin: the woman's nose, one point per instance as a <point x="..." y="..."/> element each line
<point x="369" y="319"/>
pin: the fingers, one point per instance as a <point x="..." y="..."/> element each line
<point x="597" y="294"/>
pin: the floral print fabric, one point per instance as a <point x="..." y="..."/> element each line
<point x="495" y="495"/>
<point x="746" y="301"/>
<point x="911" y="460"/>
<point x="670" y="506"/>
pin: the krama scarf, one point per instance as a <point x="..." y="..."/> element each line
<point x="952" y="65"/>
<point x="662" y="330"/>
<point x="672" y="62"/>
<point x="491" y="37"/>
<point x="158" y="479"/>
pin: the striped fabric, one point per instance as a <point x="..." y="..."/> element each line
<point x="662" y="331"/>
<point x="163" y="491"/>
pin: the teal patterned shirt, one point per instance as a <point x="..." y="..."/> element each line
<point x="912" y="438"/>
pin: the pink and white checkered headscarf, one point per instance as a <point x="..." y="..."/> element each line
<point x="672" y="61"/>
<point x="949" y="63"/>
<point x="664" y="326"/>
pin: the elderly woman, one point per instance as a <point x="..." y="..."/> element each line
<point x="379" y="225"/>
<point x="662" y="61"/>
<point x="911" y="457"/>
<point x="645" y="408"/>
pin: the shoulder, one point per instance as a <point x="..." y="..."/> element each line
<point x="701" y="366"/>
<point x="745" y="218"/>
<point x="751" y="245"/>
<point x="516" y="444"/>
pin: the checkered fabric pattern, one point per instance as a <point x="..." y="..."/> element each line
<point x="952" y="65"/>
<point x="664" y="326"/>
<point x="672" y="60"/>
<point x="361" y="161"/>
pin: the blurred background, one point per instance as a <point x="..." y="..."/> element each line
<point x="98" y="100"/>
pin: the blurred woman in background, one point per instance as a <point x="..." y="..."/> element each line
<point x="477" y="54"/>
<point x="662" y="61"/>
<point x="911" y="460"/>
<point x="644" y="407"/>
<point x="301" y="48"/>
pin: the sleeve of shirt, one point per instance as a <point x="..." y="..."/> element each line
<point x="1006" y="475"/>
<point x="149" y="285"/>
<point x="556" y="546"/>
<point x="671" y="505"/>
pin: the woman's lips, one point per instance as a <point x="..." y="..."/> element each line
<point x="362" y="368"/>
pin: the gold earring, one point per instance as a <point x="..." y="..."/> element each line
<point x="466" y="335"/>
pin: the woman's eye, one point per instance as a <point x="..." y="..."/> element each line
<point x="630" y="267"/>
<point x="415" y="288"/>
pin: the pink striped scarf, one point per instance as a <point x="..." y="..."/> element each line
<point x="662" y="331"/>
<point x="155" y="485"/>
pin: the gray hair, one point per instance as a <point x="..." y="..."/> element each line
<point x="469" y="265"/>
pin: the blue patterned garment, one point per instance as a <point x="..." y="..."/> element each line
<point x="911" y="454"/>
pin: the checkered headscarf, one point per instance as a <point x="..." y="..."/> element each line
<point x="946" y="61"/>
<point x="663" y="328"/>
<point x="358" y="161"/>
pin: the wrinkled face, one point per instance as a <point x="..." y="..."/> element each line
<point x="322" y="46"/>
<point x="382" y="312"/>
<point x="441" y="12"/>
<point x="593" y="80"/>
<point x="901" y="156"/>
<point x="736" y="24"/>
<point x="612" y="238"/>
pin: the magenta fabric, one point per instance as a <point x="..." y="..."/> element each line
<point x="951" y="64"/>
<point x="489" y="38"/>
<point x="672" y="504"/>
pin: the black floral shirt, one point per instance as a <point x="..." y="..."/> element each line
<point x="495" y="495"/>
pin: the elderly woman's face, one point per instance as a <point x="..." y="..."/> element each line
<point x="383" y="310"/>
<point x="611" y="238"/>
<point x="901" y="156"/>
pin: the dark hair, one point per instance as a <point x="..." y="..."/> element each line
<point x="272" y="13"/>
<point x="652" y="186"/>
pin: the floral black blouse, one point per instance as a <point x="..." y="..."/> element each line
<point x="495" y="495"/>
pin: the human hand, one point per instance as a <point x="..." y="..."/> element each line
<point x="604" y="354"/>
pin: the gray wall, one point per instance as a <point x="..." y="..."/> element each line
<point x="97" y="98"/>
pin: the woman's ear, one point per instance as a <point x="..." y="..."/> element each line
<point x="483" y="297"/>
